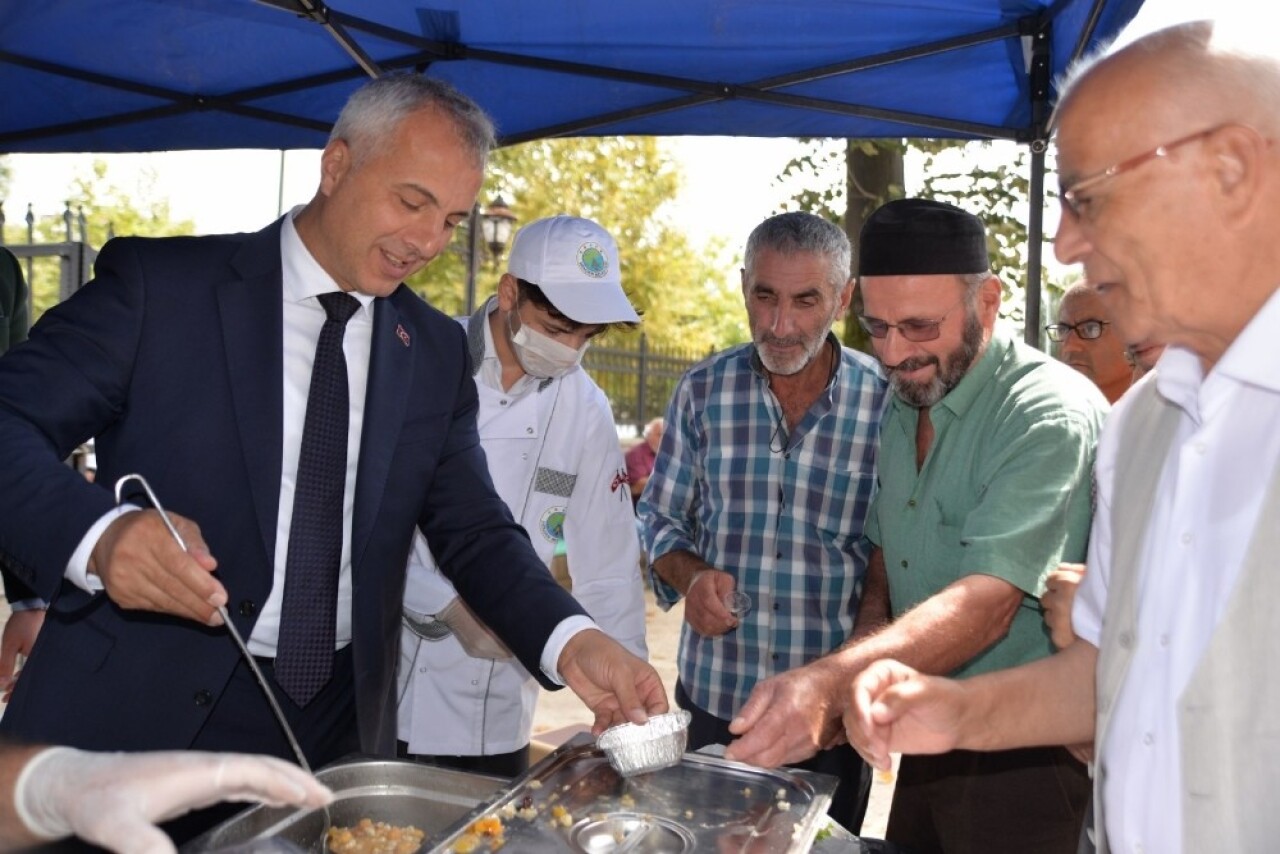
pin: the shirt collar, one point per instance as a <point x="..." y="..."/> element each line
<point x="485" y="364"/>
<point x="304" y="278"/>
<point x="961" y="398"/>
<point x="1251" y="357"/>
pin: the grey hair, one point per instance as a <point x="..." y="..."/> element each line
<point x="376" y="109"/>
<point x="799" y="232"/>
<point x="973" y="281"/>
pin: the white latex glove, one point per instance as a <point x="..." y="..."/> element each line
<point x="115" y="799"/>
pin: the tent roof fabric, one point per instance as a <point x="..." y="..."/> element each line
<point x="149" y="75"/>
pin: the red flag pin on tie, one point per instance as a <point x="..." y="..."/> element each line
<point x="402" y="334"/>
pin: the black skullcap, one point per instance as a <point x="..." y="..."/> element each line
<point x="919" y="237"/>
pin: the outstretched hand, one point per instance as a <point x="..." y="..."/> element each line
<point x="616" y="685"/>
<point x="142" y="567"/>
<point x="791" y="716"/>
<point x="896" y="709"/>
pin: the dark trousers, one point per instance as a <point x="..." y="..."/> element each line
<point x="848" y="804"/>
<point x="1015" y="801"/>
<point x="242" y="722"/>
<point x="511" y="764"/>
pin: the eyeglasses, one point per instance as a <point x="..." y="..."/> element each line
<point x="1086" y="329"/>
<point x="912" y="330"/>
<point x="1070" y="196"/>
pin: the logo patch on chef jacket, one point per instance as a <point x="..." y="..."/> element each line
<point x="552" y="482"/>
<point x="552" y="524"/>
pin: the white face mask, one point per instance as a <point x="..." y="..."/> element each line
<point x="541" y="355"/>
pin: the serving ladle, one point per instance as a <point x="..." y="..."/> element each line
<point x="232" y="630"/>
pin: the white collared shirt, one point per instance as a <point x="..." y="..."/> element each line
<point x="304" y="281"/>
<point x="1202" y="519"/>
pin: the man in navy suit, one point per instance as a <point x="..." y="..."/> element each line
<point x="189" y="360"/>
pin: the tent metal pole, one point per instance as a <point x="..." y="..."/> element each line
<point x="1035" y="245"/>
<point x="1039" y="72"/>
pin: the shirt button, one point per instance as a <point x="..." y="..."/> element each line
<point x="904" y="564"/>
<point x="774" y="656"/>
<point x="422" y="670"/>
<point x="777" y="606"/>
<point x="1186" y="538"/>
<point x="1148" y="739"/>
<point x="1164" y="640"/>
<point x="203" y="697"/>
<point x="911" y="503"/>
<point x="1126" y="640"/>
<point x="778" y="555"/>
<point x="1201" y="447"/>
<point x="475" y="681"/>
<point x="524" y="456"/>
<point x="502" y="402"/>
<point x="247" y="608"/>
<point x="528" y="431"/>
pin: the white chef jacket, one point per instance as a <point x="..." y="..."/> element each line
<point x="555" y="460"/>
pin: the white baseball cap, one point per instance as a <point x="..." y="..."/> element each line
<point x="575" y="263"/>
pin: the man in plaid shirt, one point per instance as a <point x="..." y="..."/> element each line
<point x="761" y="486"/>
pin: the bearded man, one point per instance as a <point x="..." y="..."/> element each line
<point x="762" y="486"/>
<point x="985" y="460"/>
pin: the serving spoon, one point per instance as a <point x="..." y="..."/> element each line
<point x="235" y="635"/>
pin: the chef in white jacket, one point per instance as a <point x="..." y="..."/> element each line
<point x="549" y="435"/>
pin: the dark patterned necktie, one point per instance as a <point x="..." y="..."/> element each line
<point x="304" y="654"/>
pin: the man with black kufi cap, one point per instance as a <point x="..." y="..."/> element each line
<point x="985" y="461"/>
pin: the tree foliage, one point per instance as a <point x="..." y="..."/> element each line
<point x="991" y="182"/>
<point x="623" y="183"/>
<point x="107" y="210"/>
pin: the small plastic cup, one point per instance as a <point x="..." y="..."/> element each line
<point x="737" y="602"/>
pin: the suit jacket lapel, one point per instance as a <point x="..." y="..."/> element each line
<point x="390" y="379"/>
<point x="252" y="316"/>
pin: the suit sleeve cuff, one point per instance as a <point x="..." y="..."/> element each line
<point x="567" y="628"/>
<point x="78" y="567"/>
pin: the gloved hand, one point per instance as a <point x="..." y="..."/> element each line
<point x="115" y="799"/>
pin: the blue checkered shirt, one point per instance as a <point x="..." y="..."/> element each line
<point x="781" y="510"/>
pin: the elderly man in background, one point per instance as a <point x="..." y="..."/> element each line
<point x="552" y="450"/>
<point x="1088" y="341"/>
<point x="764" y="481"/>
<point x="1176" y="616"/>
<point x="985" y="461"/>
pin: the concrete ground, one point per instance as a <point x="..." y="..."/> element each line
<point x="560" y="710"/>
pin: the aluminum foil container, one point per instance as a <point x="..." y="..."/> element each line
<point x="637" y="749"/>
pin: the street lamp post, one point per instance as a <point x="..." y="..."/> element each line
<point x="494" y="225"/>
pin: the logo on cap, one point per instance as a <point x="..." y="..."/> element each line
<point x="592" y="260"/>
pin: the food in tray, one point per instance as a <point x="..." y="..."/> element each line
<point x="374" y="837"/>
<point x="484" y="834"/>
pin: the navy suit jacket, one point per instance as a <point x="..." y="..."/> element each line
<point x="172" y="359"/>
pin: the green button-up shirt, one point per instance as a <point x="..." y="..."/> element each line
<point x="1006" y="489"/>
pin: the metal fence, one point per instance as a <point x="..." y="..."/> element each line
<point x="74" y="257"/>
<point x="637" y="377"/>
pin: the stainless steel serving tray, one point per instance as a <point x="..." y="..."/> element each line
<point x="397" y="792"/>
<point x="704" y="803"/>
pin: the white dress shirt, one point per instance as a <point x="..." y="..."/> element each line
<point x="1202" y="518"/>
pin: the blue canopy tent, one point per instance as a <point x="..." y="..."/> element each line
<point x="152" y="75"/>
